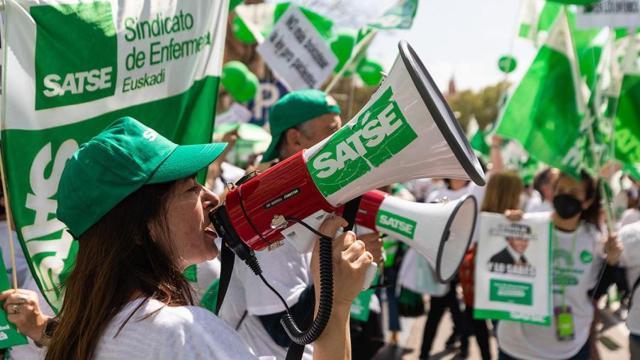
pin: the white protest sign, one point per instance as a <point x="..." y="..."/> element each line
<point x="235" y="114"/>
<point x="512" y="271"/>
<point x="614" y="13"/>
<point x="296" y="53"/>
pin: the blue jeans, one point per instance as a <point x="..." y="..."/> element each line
<point x="391" y="275"/>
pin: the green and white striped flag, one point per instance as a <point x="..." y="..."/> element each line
<point x="538" y="16"/>
<point x="74" y="67"/>
<point x="545" y="112"/>
<point x="627" y="119"/>
<point x="398" y="16"/>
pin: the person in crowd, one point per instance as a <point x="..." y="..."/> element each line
<point x="629" y="237"/>
<point x="299" y="120"/>
<point x="542" y="197"/>
<point x="131" y="198"/>
<point x="577" y="260"/>
<point x="394" y="253"/>
<point x="632" y="213"/>
<point x="502" y="192"/>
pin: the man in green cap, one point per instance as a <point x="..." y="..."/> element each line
<point x="300" y="120"/>
<point x="297" y="121"/>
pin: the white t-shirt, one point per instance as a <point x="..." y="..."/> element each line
<point x="540" y="205"/>
<point x="629" y="216"/>
<point x="630" y="238"/>
<point x="580" y="268"/>
<point x="157" y="331"/>
<point x="288" y="271"/>
<point x="233" y="311"/>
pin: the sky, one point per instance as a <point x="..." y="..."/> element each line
<point x="459" y="38"/>
<point x="463" y="39"/>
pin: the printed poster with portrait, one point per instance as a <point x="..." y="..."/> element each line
<point x="512" y="270"/>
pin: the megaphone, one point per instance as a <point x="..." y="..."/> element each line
<point x="441" y="232"/>
<point x="405" y="131"/>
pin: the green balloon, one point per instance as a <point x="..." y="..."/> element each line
<point x="507" y="64"/>
<point x="370" y="71"/>
<point x="249" y="89"/>
<point x="241" y="31"/>
<point x="239" y="81"/>
<point x="342" y="46"/>
<point x="233" y="76"/>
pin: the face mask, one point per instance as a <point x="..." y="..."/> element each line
<point x="567" y="206"/>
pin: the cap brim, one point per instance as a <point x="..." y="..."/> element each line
<point x="270" y="153"/>
<point x="186" y="160"/>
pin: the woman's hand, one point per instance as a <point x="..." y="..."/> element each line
<point x="613" y="248"/>
<point x="514" y="215"/>
<point x="350" y="262"/>
<point x="23" y="310"/>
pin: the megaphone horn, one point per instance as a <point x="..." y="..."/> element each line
<point x="441" y="232"/>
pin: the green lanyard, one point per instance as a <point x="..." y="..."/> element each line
<point x="556" y="246"/>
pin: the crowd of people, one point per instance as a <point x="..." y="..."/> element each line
<point x="132" y="200"/>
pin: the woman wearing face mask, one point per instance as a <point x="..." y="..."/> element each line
<point x="576" y="263"/>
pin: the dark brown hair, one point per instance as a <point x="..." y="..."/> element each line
<point x="117" y="261"/>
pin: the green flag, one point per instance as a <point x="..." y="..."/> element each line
<point x="76" y="67"/>
<point x="399" y="16"/>
<point x="479" y="143"/>
<point x="538" y="16"/>
<point x="544" y="114"/>
<point x="627" y="124"/>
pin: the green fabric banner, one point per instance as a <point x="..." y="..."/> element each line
<point x="73" y="69"/>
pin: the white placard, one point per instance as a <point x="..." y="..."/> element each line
<point x="235" y="114"/>
<point x="296" y="53"/>
<point x="615" y="13"/>
<point x="512" y="277"/>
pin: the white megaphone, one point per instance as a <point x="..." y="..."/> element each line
<point x="441" y="232"/>
<point x="406" y="131"/>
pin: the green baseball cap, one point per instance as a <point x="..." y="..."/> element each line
<point x="117" y="162"/>
<point x="294" y="109"/>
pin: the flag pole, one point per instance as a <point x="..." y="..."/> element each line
<point x="12" y="252"/>
<point x="356" y="52"/>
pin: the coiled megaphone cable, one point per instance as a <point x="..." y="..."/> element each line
<point x="326" y="294"/>
<point x="304" y="337"/>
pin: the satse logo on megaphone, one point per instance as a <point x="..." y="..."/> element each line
<point x="397" y="223"/>
<point x="76" y="54"/>
<point x="375" y="137"/>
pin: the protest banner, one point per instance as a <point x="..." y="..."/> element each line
<point x="71" y="69"/>
<point x="512" y="270"/>
<point x="297" y="53"/>
<point x="619" y="14"/>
